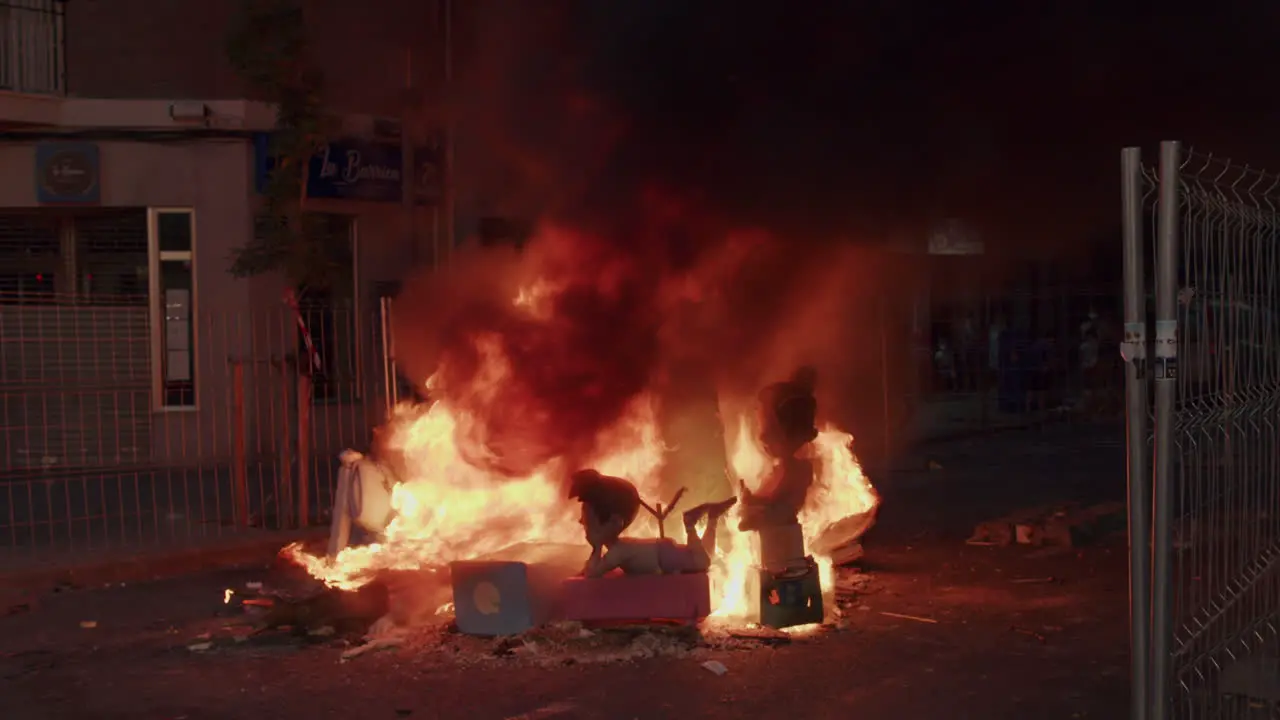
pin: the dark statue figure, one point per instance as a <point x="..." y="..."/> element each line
<point x="611" y="504"/>
<point x="788" y="417"/>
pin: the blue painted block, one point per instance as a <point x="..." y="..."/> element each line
<point x="499" y="598"/>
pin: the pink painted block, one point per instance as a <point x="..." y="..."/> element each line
<point x="686" y="597"/>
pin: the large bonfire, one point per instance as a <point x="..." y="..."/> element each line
<point x="476" y="483"/>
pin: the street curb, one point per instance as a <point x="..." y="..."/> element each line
<point x="158" y="565"/>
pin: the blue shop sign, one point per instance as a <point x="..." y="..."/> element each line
<point x="68" y="173"/>
<point x="354" y="169"/>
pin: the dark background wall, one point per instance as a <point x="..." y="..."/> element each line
<point x="177" y="49"/>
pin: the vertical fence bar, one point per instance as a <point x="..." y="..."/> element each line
<point x="239" y="458"/>
<point x="304" y="448"/>
<point x="91" y="464"/>
<point x="1135" y="346"/>
<point x="285" y="485"/>
<point x="389" y="357"/>
<point x="1166" y="388"/>
<point x="384" y="338"/>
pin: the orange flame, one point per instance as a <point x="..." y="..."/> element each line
<point x="840" y="492"/>
<point x="448" y="509"/>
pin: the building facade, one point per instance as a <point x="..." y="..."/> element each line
<point x="131" y="169"/>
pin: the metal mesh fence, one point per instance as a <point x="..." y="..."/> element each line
<point x="101" y="447"/>
<point x="1215" y="370"/>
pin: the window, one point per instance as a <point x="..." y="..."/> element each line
<point x="171" y="234"/>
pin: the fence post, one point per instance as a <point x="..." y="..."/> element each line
<point x="1135" y="350"/>
<point x="1166" y="369"/>
<point x="285" y="485"/>
<point x="239" y="460"/>
<point x="389" y="373"/>
<point x="304" y="449"/>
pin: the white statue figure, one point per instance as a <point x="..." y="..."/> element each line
<point x="362" y="498"/>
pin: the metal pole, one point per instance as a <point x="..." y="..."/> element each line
<point x="239" y="455"/>
<point x="1166" y="350"/>
<point x="393" y="388"/>
<point x="287" y="407"/>
<point x="303" y="397"/>
<point x="1135" y="347"/>
<point x="388" y="375"/>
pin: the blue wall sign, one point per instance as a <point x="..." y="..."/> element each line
<point x="354" y="169"/>
<point x="68" y="173"/>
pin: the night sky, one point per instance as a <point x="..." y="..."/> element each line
<point x="878" y="118"/>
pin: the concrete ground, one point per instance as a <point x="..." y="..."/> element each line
<point x="989" y="632"/>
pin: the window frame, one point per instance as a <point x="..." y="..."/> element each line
<point x="155" y="312"/>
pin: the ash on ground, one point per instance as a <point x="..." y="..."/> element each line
<point x="569" y="643"/>
<point x="325" y="622"/>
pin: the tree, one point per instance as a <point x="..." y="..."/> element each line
<point x="268" y="47"/>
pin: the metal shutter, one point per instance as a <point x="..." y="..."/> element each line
<point x="75" y="377"/>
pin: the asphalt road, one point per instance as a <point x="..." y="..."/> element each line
<point x="1004" y="641"/>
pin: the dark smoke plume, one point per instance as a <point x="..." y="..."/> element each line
<point x="667" y="264"/>
<point x="568" y="366"/>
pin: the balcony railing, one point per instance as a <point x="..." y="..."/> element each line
<point x="32" y="47"/>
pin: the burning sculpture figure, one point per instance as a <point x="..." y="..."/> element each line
<point x="610" y="505"/>
<point x="788" y="416"/>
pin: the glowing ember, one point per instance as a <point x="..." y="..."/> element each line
<point x="226" y="596"/>
<point x="801" y="630"/>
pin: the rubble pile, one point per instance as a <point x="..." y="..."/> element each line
<point x="1065" y="526"/>
<point x="358" y="624"/>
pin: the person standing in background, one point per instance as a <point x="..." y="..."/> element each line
<point x="1089" y="363"/>
<point x="944" y="363"/>
<point x="969" y="352"/>
<point x="1039" y="368"/>
<point x="994" y="337"/>
<point x="1110" y="369"/>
